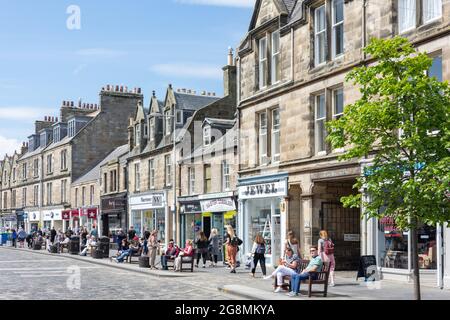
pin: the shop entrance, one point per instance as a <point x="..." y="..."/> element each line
<point x="344" y="228"/>
<point x="207" y="226"/>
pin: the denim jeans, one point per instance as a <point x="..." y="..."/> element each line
<point x="297" y="279"/>
<point x="124" y="254"/>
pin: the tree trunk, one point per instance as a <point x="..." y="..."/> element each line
<point x="415" y="261"/>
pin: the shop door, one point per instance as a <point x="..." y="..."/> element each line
<point x="105" y="225"/>
<point x="276" y="238"/>
<point x="207" y="226"/>
<point x="344" y="228"/>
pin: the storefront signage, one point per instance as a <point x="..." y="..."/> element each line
<point x="263" y="190"/>
<point x="92" y="213"/>
<point x="218" y="205"/>
<point x="66" y="215"/>
<point x="34" y="216"/>
<point x="352" y="237"/>
<point x="114" y="204"/>
<point x="191" y="208"/>
<point x="9" y="218"/>
<point x="52" y="215"/>
<point x="74" y="214"/>
<point x="156" y="200"/>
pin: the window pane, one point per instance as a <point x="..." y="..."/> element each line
<point x="338" y="39"/>
<point x="262" y="49"/>
<point x="338" y="11"/>
<point x="276" y="119"/>
<point x="320" y="107"/>
<point x="436" y="69"/>
<point x="432" y="9"/>
<point x="320" y="19"/>
<point x="276" y="146"/>
<point x="320" y="48"/>
<point x="406" y="14"/>
<point x="338" y="101"/>
<point x="321" y="134"/>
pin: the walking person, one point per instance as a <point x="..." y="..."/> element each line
<point x="153" y="246"/>
<point x="202" y="248"/>
<point x="292" y="242"/>
<point x="232" y="245"/>
<point x="259" y="254"/>
<point x="52" y="235"/>
<point x="22" y="235"/>
<point x="213" y="247"/>
<point x="14" y="238"/>
<point x="326" y="252"/>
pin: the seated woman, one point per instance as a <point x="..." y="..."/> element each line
<point x="125" y="252"/>
<point x="171" y="253"/>
<point x="287" y="267"/>
<point x="90" y="245"/>
<point x="185" y="254"/>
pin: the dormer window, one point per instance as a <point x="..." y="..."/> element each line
<point x="168" y="122"/>
<point x="138" y="134"/>
<point x="206" y="136"/>
<point x="269" y="53"/>
<point x="152" y="129"/>
<point x="179" y="117"/>
<point x="56" y="134"/>
<point x="71" y="128"/>
<point x="276" y="57"/>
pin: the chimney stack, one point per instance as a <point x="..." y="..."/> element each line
<point x="230" y="56"/>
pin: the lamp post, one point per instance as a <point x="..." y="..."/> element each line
<point x="174" y="213"/>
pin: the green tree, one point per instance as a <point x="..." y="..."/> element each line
<point x="401" y="122"/>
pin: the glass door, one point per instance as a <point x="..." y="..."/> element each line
<point x="276" y="238"/>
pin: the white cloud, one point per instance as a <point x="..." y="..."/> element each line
<point x="8" y="146"/>
<point x="80" y="68"/>
<point x="25" y="113"/>
<point x="188" y="70"/>
<point x="222" y="3"/>
<point x="100" y="52"/>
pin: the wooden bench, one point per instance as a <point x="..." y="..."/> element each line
<point x="321" y="279"/>
<point x="184" y="261"/>
<point x="135" y="254"/>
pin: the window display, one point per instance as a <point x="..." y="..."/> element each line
<point x="136" y="222"/>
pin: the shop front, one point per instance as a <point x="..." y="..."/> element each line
<point x="113" y="215"/>
<point x="261" y="210"/>
<point x="74" y="222"/>
<point x="9" y="220"/>
<point x="207" y="212"/>
<point x="34" y="220"/>
<point x="88" y="217"/>
<point x="52" y="219"/>
<point x="149" y="211"/>
<point x="20" y="218"/>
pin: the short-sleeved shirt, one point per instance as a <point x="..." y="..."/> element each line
<point x="317" y="261"/>
<point x="291" y="260"/>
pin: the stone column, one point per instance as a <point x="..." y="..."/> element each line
<point x="307" y="210"/>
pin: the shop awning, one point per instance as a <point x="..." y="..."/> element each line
<point x="74" y="213"/>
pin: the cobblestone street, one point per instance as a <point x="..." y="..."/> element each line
<point x="26" y="275"/>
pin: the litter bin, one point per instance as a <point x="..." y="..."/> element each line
<point x="144" y="262"/>
<point x="4" y="238"/>
<point x="74" y="245"/>
<point x="103" y="246"/>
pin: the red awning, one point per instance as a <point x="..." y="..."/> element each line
<point x="74" y="213"/>
<point x="92" y="213"/>
<point x="66" y="215"/>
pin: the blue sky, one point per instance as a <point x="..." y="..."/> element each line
<point x="138" y="43"/>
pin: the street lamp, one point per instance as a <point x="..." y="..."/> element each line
<point x="173" y="117"/>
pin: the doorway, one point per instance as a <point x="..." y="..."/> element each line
<point x="207" y="226"/>
<point x="344" y="228"/>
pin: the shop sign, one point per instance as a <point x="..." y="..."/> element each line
<point x="9" y="218"/>
<point x="156" y="200"/>
<point x="35" y="216"/>
<point x="52" y="215"/>
<point x="218" y="205"/>
<point x="352" y="237"/>
<point x="92" y="213"/>
<point x="114" y="204"/>
<point x="191" y="208"/>
<point x="264" y="190"/>
<point x="74" y="214"/>
<point x="66" y="215"/>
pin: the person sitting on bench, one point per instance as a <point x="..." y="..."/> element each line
<point x="185" y="254"/>
<point x="288" y="267"/>
<point x="315" y="265"/>
<point x="125" y="252"/>
<point x="171" y="253"/>
<point x="90" y="245"/>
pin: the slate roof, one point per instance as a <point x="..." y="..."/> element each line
<point x="94" y="173"/>
<point x="193" y="102"/>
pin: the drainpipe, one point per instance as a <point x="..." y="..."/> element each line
<point x="364" y="29"/>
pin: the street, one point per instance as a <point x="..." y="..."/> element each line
<point x="29" y="276"/>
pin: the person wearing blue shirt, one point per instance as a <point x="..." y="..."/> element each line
<point x="315" y="265"/>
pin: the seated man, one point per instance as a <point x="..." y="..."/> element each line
<point x="124" y="253"/>
<point x="91" y="244"/>
<point x="171" y="253"/>
<point x="288" y="267"/>
<point x="315" y="265"/>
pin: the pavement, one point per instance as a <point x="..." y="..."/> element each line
<point x="242" y="286"/>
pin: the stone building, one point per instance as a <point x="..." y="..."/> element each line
<point x="208" y="195"/>
<point x="61" y="151"/>
<point x="113" y="192"/>
<point x="292" y="65"/>
<point x="151" y="169"/>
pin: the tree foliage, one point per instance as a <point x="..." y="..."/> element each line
<point x="401" y="122"/>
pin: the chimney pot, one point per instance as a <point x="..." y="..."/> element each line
<point x="56" y="119"/>
<point x="117" y="88"/>
<point x="72" y="103"/>
<point x="213" y="94"/>
<point x="230" y="56"/>
<point x="139" y="90"/>
<point x="121" y="88"/>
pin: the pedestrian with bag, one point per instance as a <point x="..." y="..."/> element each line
<point x="292" y="243"/>
<point x="326" y="253"/>
<point x="232" y="244"/>
<point x="202" y="248"/>
<point x="21" y="236"/>
<point x="213" y="247"/>
<point x="259" y="254"/>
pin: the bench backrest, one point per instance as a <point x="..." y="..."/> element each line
<point x="323" y="275"/>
